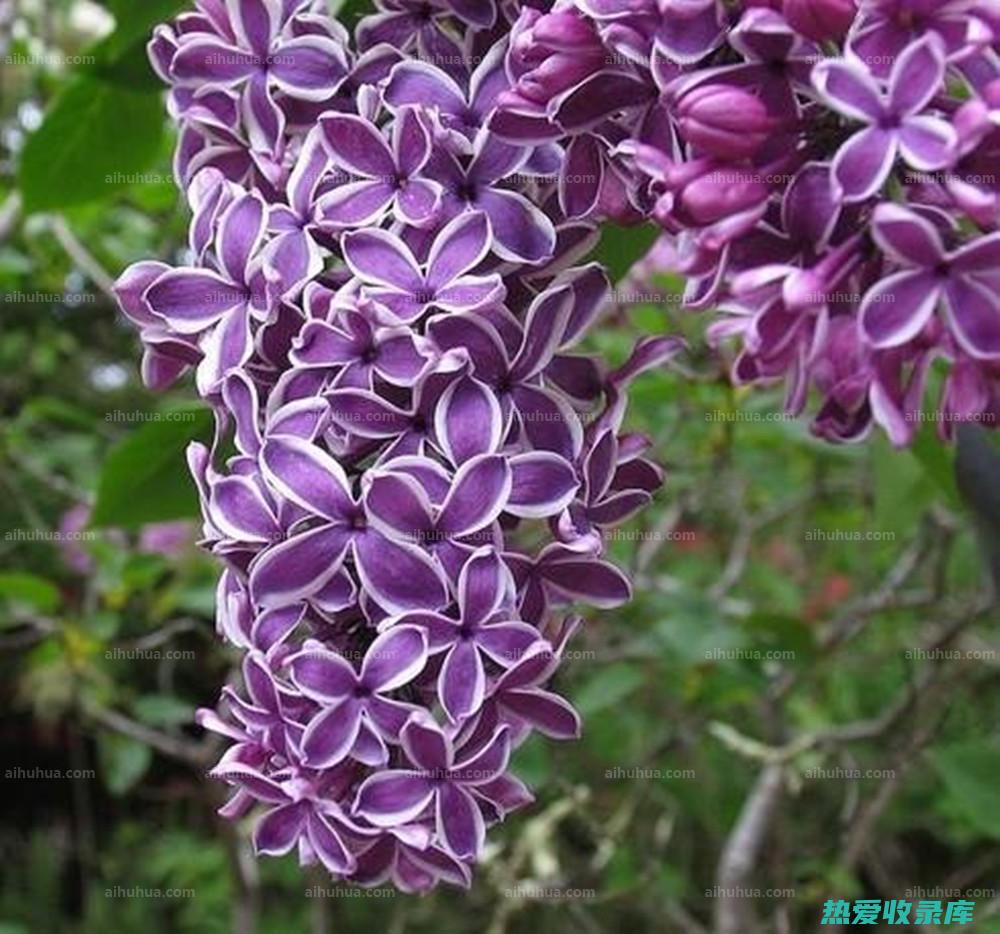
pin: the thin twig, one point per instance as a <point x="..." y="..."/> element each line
<point x="741" y="850"/>
<point x="82" y="257"/>
<point x="175" y="747"/>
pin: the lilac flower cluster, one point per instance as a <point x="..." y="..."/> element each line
<point x="413" y="474"/>
<point x="825" y="169"/>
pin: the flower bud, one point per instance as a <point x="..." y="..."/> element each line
<point x="820" y="20"/>
<point x="725" y="121"/>
<point x="722" y="193"/>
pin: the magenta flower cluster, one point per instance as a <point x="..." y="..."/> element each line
<point x="413" y="474"/>
<point x="827" y="173"/>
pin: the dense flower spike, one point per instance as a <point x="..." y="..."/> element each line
<point x="380" y="304"/>
<point x="826" y="172"/>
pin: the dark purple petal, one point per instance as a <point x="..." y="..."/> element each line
<point x="479" y="495"/>
<point x="896" y="309"/>
<point x="543" y="484"/>
<point x="462" y="681"/>
<point x="917" y="75"/>
<point x="460" y="246"/>
<point x="388" y="799"/>
<point x="506" y="643"/>
<point x="322" y="676"/>
<point x="240" y="511"/>
<point x="298" y="567"/>
<point x="309" y="68"/>
<point x="306" y="475"/>
<point x="974" y="312"/>
<point x="331" y="735"/>
<point x="426" y="745"/>
<point x="468" y="421"/>
<point x="358" y="146"/>
<point x="863" y="163"/>
<point x="379" y="257"/>
<point x="460" y="822"/>
<point x="482" y="586"/>
<point x="279" y="829"/>
<point x="906" y="237"/>
<point x="399" y="576"/>
<point x="546" y="712"/>
<point x="327" y="844"/>
<point x="211" y="61"/>
<point x="521" y="232"/>
<point x="395" y="658"/>
<point x="192" y="299"/>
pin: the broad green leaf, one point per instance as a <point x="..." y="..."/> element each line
<point x="969" y="771"/>
<point x="121" y="57"/>
<point x="350" y="11"/>
<point x="162" y="710"/>
<point x="145" y="477"/>
<point x="608" y="687"/>
<point x="937" y="458"/>
<point x="123" y="762"/>
<point x="622" y="247"/>
<point x="29" y="590"/>
<point x="95" y="138"/>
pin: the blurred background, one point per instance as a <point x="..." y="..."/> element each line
<point x="802" y="703"/>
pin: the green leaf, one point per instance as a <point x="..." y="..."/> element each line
<point x="937" y="458"/>
<point x="29" y="590"/>
<point x="94" y="138"/>
<point x="162" y="710"/>
<point x="622" y="247"/>
<point x="350" y="11"/>
<point x="611" y="685"/>
<point x="145" y="477"/>
<point x="969" y="771"/>
<point x="121" y="57"/>
<point x="123" y="761"/>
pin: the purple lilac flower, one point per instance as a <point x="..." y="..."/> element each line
<point x="413" y="472"/>
<point x="772" y="139"/>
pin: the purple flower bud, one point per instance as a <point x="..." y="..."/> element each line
<point x="723" y="120"/>
<point x="722" y="192"/>
<point x="820" y="20"/>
